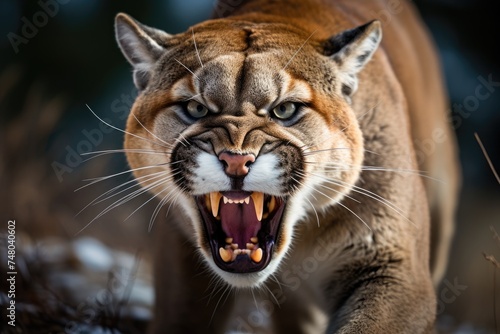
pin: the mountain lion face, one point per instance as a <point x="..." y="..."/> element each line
<point x="249" y="127"/>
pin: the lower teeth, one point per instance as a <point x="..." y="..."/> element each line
<point x="231" y="251"/>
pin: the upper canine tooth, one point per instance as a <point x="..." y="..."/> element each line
<point x="215" y="201"/>
<point x="258" y="201"/>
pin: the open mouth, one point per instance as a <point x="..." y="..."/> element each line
<point x="241" y="227"/>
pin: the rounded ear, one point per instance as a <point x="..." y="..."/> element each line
<point x="352" y="50"/>
<point x="141" y="45"/>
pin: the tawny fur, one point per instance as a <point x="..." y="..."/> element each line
<point x="330" y="272"/>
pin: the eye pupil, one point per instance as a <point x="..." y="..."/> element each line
<point x="285" y="110"/>
<point x="196" y="110"/>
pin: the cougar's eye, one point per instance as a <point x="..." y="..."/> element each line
<point x="285" y="110"/>
<point x="196" y="110"/>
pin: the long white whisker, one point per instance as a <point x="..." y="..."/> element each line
<point x="272" y="295"/>
<point x="342" y="205"/>
<point x="368" y="194"/>
<point x="196" y="48"/>
<point x="347" y="167"/>
<point x="329" y="188"/>
<point x="103" y="153"/>
<point x="159" y="175"/>
<point x="122" y="151"/>
<point x="118" y="129"/>
<point x="100" y="179"/>
<point x="296" y="52"/>
<point x="315" y="212"/>
<point x="326" y="150"/>
<point x="371" y="109"/>
<point x="152" y="134"/>
<point x="122" y="201"/>
<point x="227" y="289"/>
<point x="118" y="187"/>
<point x="158" y="208"/>
<point x="187" y="69"/>
<point x="167" y="188"/>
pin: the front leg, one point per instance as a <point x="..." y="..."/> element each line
<point x="382" y="301"/>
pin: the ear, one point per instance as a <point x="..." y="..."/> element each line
<point x="141" y="45"/>
<point x="351" y="50"/>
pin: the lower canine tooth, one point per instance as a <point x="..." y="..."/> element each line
<point x="225" y="255"/>
<point x="256" y="255"/>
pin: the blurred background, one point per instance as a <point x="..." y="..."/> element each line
<point x="58" y="56"/>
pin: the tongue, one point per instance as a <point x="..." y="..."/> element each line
<point x="239" y="222"/>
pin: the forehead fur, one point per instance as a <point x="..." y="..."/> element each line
<point x="237" y="48"/>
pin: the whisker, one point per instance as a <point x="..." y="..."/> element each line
<point x="123" y="200"/>
<point x="187" y="69"/>
<point x="329" y="188"/>
<point x="337" y="202"/>
<point x="118" y="129"/>
<point x="158" y="209"/>
<point x="192" y="97"/>
<point x="326" y="150"/>
<point x="296" y="52"/>
<point x="149" y="200"/>
<point x="160" y="174"/>
<point x="196" y="48"/>
<point x="103" y="178"/>
<point x="272" y="295"/>
<point x="122" y="151"/>
<point x="118" y="187"/>
<point x="103" y="153"/>
<point x="161" y="140"/>
<point x="368" y="194"/>
<point x="371" y="109"/>
<point x="344" y="167"/>
<point x="228" y="290"/>
<point x="315" y="212"/>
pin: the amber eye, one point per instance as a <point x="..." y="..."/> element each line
<point x="196" y="110"/>
<point x="285" y="110"/>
